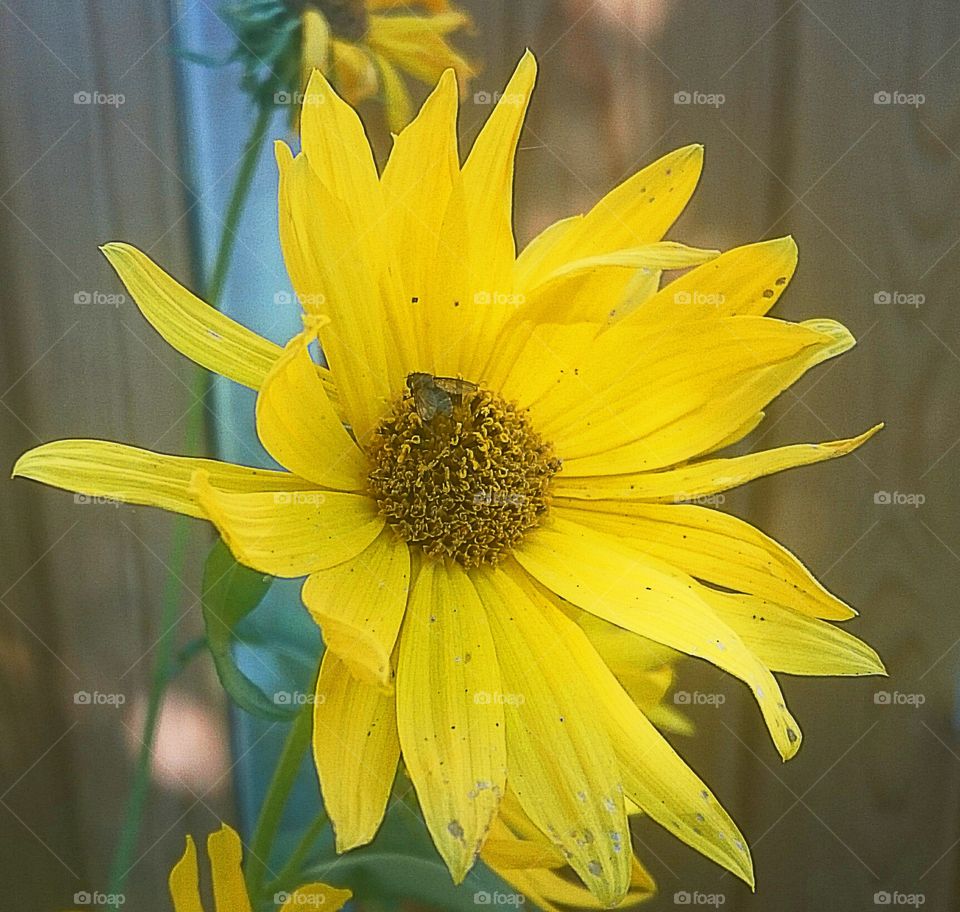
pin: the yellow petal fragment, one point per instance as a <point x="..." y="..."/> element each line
<point x="315" y="43"/>
<point x="115" y="471"/>
<point x="333" y="139"/>
<point x="793" y="643"/>
<point x="290" y="533"/>
<point x="708" y="476"/>
<point x="396" y="97"/>
<point x="359" y="605"/>
<point x="184" y="881"/>
<point x="530" y="270"/>
<point x="717" y="548"/>
<point x="298" y="426"/>
<point x="655" y="777"/>
<point x="561" y="766"/>
<point x="450" y="719"/>
<point x="670" y="394"/>
<point x="355" y="749"/>
<point x="190" y="325"/>
<point x="316" y="896"/>
<point x="354" y="72"/>
<point x="417" y="45"/>
<point x="626" y="587"/>
<point x="321" y="248"/>
<point x="226" y="853"/>
<point x="744" y="281"/>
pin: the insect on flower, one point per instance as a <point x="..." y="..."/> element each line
<point x="437" y="395"/>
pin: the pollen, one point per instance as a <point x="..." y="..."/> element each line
<point x="468" y="485"/>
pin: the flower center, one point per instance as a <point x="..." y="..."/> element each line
<point x="347" y="18"/>
<point x="459" y="471"/>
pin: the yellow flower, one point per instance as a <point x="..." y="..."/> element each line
<point x="488" y="554"/>
<point x="229" y="891"/>
<point x="365" y="47"/>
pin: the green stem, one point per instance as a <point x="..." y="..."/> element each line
<point x="271" y="811"/>
<point x="286" y="880"/>
<point x="165" y="668"/>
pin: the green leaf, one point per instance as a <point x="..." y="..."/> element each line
<point x="230" y="592"/>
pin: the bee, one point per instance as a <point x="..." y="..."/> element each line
<point x="434" y="396"/>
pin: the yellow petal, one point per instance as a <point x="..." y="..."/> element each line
<point x="561" y="766"/>
<point x="450" y="720"/>
<point x="717" y="548"/>
<point x="622" y="585"/>
<point x="359" y="605"/>
<point x="654" y="776"/>
<point x="115" y="471"/>
<point x="417" y="183"/>
<point x="396" y="97"/>
<point x="659" y="391"/>
<point x="315" y="44"/>
<point x="530" y="266"/>
<point x="338" y="151"/>
<point x="332" y="278"/>
<point x="746" y="281"/>
<point x="354" y="72"/>
<point x="416" y="44"/>
<point x="185" y="881"/>
<point x="291" y="533"/>
<point x="639" y="211"/>
<point x="356" y="750"/>
<point x="709" y="476"/>
<point x="298" y="426"/>
<point x="793" y="643"/>
<point x="316" y="896"/>
<point x="229" y="889"/>
<point x="191" y="326"/>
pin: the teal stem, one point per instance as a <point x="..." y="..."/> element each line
<point x="166" y="665"/>
<point x="274" y="802"/>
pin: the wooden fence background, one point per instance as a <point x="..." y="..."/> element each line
<point x="798" y="145"/>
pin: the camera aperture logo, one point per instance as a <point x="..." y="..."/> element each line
<point x="696" y="898"/>
<point x="899" y="99"/>
<point x="496" y="898"/>
<point x="298" y="698"/>
<point x="299" y="498"/>
<point x="696" y="698"/>
<point x="98" y="298"/>
<point x="900" y="298"/>
<point x="704" y="99"/>
<point x="95" y="698"/>
<point x="97" y="899"/>
<point x="104" y="99"/>
<point x="896" y="898"/>
<point x="300" y="900"/>
<point x="485" y="698"/>
<point x="899" y="499"/>
<point x="895" y="698"/>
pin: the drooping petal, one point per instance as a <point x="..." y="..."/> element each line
<point x="396" y="97"/>
<point x="744" y="281"/>
<point x="324" y="258"/>
<point x="359" y="605"/>
<point x="298" y="426"/>
<point x="191" y="326"/>
<point x="356" y="750"/>
<point x="184" y="881"/>
<point x="628" y="588"/>
<point x="659" y="390"/>
<point x="226" y="853"/>
<point x="561" y="766"/>
<point x="791" y="642"/>
<point x="709" y="476"/>
<point x="290" y="533"/>
<point x="450" y="719"/>
<point x="717" y="548"/>
<point x="103" y="469"/>
<point x="418" y="45"/>
<point x="654" y="776"/>
<point x="316" y="896"/>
